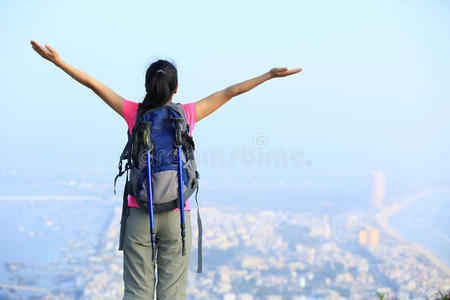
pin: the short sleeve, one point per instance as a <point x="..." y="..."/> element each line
<point x="191" y="117"/>
<point x="129" y="111"/>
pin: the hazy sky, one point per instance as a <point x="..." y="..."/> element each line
<point x="374" y="93"/>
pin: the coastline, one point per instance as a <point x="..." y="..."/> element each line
<point x="382" y="220"/>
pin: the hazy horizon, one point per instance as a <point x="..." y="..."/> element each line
<point x="372" y="94"/>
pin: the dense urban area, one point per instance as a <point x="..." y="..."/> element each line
<point x="257" y="255"/>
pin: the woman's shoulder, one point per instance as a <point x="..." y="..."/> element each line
<point x="130" y="104"/>
<point x="130" y="107"/>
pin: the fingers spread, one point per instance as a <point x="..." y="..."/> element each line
<point x="49" y="48"/>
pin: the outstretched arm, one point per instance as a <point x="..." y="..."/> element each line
<point x="209" y="104"/>
<point x="109" y="96"/>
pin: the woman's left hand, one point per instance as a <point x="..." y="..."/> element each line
<point x="283" y="72"/>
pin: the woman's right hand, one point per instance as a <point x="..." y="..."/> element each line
<point x="49" y="53"/>
<point x="109" y="96"/>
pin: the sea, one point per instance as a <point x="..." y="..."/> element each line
<point x="426" y="222"/>
<point x="41" y="240"/>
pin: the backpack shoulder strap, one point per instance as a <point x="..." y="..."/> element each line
<point x="126" y="153"/>
<point x="125" y="214"/>
<point x="123" y="156"/>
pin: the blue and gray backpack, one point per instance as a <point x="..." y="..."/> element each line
<point x="164" y="164"/>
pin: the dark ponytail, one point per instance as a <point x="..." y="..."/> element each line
<point x="161" y="80"/>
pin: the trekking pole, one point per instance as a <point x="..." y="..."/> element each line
<point x="149" y="147"/>
<point x="178" y="144"/>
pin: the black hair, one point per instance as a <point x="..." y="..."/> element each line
<point x="161" y="80"/>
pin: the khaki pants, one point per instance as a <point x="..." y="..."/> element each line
<point x="171" y="267"/>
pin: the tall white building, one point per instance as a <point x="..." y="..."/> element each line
<point x="378" y="187"/>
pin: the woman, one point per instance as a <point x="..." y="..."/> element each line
<point x="161" y="83"/>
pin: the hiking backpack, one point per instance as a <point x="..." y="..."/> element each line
<point x="163" y="161"/>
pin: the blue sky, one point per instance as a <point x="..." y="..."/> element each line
<point x="373" y="94"/>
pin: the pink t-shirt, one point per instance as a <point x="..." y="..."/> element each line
<point x="129" y="111"/>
